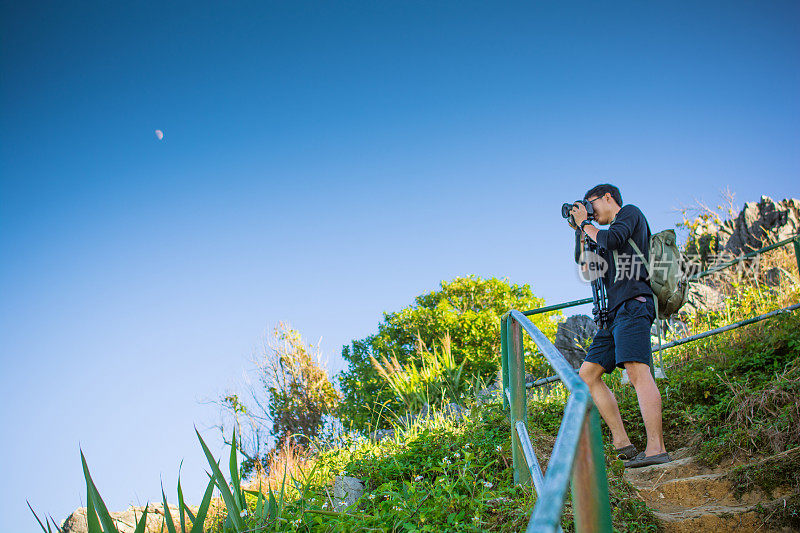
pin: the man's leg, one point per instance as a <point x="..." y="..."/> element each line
<point x="606" y="402"/>
<point x="649" y="404"/>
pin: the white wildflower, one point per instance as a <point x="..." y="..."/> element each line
<point x="418" y="478"/>
<point x="457" y="455"/>
<point x="243" y="513"/>
<point x="371" y="496"/>
<point x="488" y="484"/>
<point x="499" y="448"/>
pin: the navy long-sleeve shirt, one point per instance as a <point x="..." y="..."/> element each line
<point x="633" y="280"/>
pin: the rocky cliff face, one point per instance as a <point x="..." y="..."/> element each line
<point x="759" y="224"/>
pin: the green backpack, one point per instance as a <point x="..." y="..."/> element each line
<point x="668" y="279"/>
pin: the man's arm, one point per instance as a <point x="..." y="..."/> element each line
<point x="591" y="231"/>
<point x="617" y="233"/>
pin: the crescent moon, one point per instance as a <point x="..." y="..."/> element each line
<point x="159" y="134"/>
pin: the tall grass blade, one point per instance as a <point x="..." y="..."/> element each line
<point x="234" y="468"/>
<point x="37" y="519"/>
<point x="58" y="529"/>
<point x="92" y="522"/>
<point x="190" y="514"/>
<point x="283" y="486"/>
<point x="181" y="503"/>
<point x="99" y="504"/>
<point x="259" y="504"/>
<point x="197" y="524"/>
<point x="167" y="513"/>
<point x="272" y="507"/>
<point x="142" y="524"/>
<point x="230" y="503"/>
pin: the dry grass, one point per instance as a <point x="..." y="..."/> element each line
<point x="291" y="459"/>
<point x="756" y="411"/>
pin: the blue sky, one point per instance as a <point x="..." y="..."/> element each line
<point x="323" y="163"/>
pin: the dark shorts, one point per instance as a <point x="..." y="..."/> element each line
<point x="629" y="336"/>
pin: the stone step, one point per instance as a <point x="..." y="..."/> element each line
<point x="699" y="490"/>
<point x="715" y="518"/>
<point x="677" y="468"/>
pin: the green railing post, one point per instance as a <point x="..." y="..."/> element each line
<point x="797" y="253"/>
<point x="519" y="404"/>
<point x="590" y="501"/>
<point x="504" y="359"/>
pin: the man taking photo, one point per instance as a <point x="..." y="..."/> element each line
<point x="624" y="342"/>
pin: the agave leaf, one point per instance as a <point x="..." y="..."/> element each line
<point x="99" y="504"/>
<point x="272" y="507"/>
<point x="92" y="522"/>
<point x="230" y="503"/>
<point x="167" y="513"/>
<point x="259" y="504"/>
<point x="181" y="504"/>
<point x="197" y="524"/>
<point x="234" y="468"/>
<point x="58" y="529"/>
<point x="283" y="486"/>
<point x="190" y="514"/>
<point x="307" y="479"/>
<point x="37" y="518"/>
<point x="142" y="521"/>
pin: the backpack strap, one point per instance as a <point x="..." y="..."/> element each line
<point x="640" y="254"/>
<point x="647" y="269"/>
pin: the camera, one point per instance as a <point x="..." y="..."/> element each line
<point x="566" y="208"/>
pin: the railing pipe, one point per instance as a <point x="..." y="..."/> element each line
<point x="549" y="504"/>
<point x="728" y="327"/>
<point x="504" y="359"/>
<point x="519" y="400"/>
<point x="530" y="457"/>
<point x="797" y="253"/>
<point x="746" y="256"/>
<point x="556" y="307"/>
<point x="590" y="504"/>
<point x="553" y="356"/>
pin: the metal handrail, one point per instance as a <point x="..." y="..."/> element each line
<point x="578" y="450"/>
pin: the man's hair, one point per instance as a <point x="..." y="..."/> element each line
<point x="603" y="188"/>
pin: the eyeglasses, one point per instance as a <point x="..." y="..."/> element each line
<point x="592" y="201"/>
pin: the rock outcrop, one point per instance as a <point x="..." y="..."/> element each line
<point x="703" y="297"/>
<point x="571" y="337"/>
<point x="126" y="521"/>
<point x="759" y="224"/>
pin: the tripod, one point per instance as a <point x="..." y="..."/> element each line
<point x="599" y="296"/>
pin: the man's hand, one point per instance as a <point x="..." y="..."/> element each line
<point x="578" y="212"/>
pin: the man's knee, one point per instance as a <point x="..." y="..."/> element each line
<point x="638" y="373"/>
<point x="590" y="373"/>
